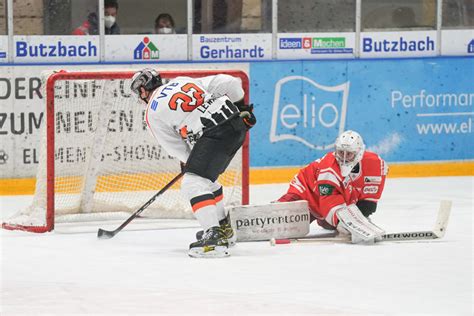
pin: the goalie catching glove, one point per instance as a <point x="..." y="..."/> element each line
<point x="246" y="112"/>
<point x="353" y="222"/>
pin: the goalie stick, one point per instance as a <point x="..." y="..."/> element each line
<point x="105" y="234"/>
<point x="438" y="232"/>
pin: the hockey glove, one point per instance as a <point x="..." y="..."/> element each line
<point x="246" y="113"/>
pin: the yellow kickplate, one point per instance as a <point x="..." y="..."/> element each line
<point x="9" y="186"/>
<point x="409" y="170"/>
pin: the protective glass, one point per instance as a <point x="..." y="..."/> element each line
<point x="3" y="17"/>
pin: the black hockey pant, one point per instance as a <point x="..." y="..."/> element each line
<point x="215" y="149"/>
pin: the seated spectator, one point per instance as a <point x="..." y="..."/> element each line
<point x="164" y="24"/>
<point x="91" y="25"/>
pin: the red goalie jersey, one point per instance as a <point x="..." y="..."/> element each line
<point x="326" y="190"/>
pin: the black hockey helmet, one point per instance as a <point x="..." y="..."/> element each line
<point x="147" y="78"/>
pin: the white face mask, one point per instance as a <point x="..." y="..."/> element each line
<point x="109" y="21"/>
<point x="165" y="30"/>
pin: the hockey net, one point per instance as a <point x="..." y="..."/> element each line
<point x="99" y="162"/>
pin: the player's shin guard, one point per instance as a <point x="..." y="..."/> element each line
<point x="219" y="198"/>
<point x="204" y="209"/>
<point x="198" y="190"/>
<point x="224" y="220"/>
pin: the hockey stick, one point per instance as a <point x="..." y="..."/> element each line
<point x="243" y="114"/>
<point x="438" y="232"/>
<point x="105" y="234"/>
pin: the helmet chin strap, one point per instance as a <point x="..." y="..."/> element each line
<point x="146" y="98"/>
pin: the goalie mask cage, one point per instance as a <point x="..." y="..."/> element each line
<point x="99" y="162"/>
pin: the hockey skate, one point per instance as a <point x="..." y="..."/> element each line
<point x="228" y="231"/>
<point x="213" y="244"/>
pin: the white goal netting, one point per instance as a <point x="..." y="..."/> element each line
<point x="104" y="163"/>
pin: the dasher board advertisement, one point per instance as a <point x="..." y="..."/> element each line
<point x="315" y="45"/>
<point x="146" y="48"/>
<point x="3" y="49"/>
<point x="422" y="115"/>
<point x="398" y="44"/>
<point x="457" y="42"/>
<point x="60" y="49"/>
<point x="232" y="47"/>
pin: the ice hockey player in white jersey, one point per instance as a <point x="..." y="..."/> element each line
<point x="202" y="122"/>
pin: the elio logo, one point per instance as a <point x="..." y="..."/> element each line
<point x="307" y="112"/>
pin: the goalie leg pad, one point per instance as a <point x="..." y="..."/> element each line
<point x="360" y="228"/>
<point x="266" y="221"/>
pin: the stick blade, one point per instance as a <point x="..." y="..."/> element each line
<point x="443" y="218"/>
<point x="105" y="234"/>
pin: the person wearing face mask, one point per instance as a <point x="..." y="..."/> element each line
<point x="110" y="17"/>
<point x="164" y="24"/>
<point x="91" y="25"/>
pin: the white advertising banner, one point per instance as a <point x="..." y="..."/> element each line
<point x="398" y="44"/>
<point x="457" y="42"/>
<point x="146" y="47"/>
<point x="232" y="47"/>
<point x="315" y="45"/>
<point x="56" y="49"/>
<point x="3" y="49"/>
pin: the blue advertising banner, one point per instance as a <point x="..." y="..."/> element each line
<point x="407" y="110"/>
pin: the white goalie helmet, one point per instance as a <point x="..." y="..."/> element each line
<point x="349" y="151"/>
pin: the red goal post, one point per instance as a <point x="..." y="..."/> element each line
<point x="101" y="185"/>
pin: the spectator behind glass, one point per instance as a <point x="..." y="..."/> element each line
<point x="91" y="25"/>
<point x="164" y="24"/>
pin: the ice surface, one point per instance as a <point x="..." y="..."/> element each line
<point x="149" y="272"/>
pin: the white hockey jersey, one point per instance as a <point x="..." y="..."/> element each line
<point x="172" y="108"/>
